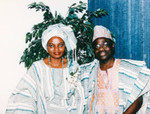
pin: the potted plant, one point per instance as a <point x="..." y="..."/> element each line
<point x="82" y="26"/>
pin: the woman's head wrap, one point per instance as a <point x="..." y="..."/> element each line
<point x="60" y="30"/>
<point x="101" y="31"/>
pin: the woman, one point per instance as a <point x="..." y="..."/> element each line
<point x="48" y="87"/>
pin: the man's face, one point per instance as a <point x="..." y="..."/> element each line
<point x="103" y="49"/>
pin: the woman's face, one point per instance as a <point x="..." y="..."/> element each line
<point x="56" y="47"/>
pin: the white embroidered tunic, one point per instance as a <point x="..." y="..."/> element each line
<point x="133" y="81"/>
<point x="45" y="90"/>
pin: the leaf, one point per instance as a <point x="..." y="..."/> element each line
<point x="28" y="37"/>
<point x="33" y="5"/>
<point x="48" y="16"/>
<point x="80" y="2"/>
<point x="73" y="4"/>
<point x="71" y="10"/>
<point x="41" y="3"/>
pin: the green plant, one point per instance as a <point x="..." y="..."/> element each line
<point x="82" y="27"/>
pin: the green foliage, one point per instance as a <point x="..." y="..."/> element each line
<point x="82" y="27"/>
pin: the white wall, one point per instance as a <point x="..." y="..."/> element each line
<point x="15" y="21"/>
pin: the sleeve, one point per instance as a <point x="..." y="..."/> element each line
<point x="88" y="73"/>
<point x="148" y="103"/>
<point x="85" y="78"/>
<point x="145" y="75"/>
<point x="146" y="91"/>
<point x="23" y="98"/>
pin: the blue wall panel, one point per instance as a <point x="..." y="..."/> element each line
<point x="129" y="20"/>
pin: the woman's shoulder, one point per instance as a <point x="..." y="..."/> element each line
<point x="39" y="62"/>
<point x="36" y="64"/>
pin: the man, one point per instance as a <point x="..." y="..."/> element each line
<point x="122" y="86"/>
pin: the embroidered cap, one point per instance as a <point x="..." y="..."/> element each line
<point x="101" y="31"/>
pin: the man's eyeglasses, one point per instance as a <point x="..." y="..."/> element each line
<point x="103" y="45"/>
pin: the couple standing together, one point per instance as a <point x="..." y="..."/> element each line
<point x="58" y="85"/>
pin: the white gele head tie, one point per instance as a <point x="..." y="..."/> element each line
<point x="60" y="30"/>
<point x="101" y="31"/>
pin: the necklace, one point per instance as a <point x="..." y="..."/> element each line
<point x="52" y="72"/>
